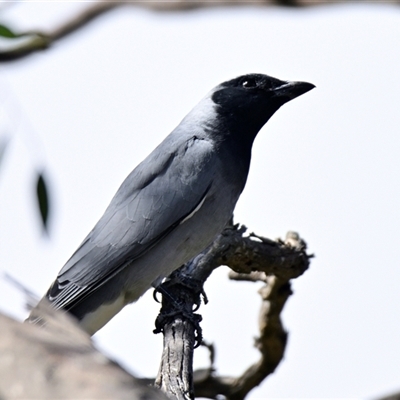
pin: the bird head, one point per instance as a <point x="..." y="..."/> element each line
<point x="252" y="99"/>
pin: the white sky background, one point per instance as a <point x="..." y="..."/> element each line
<point x="327" y="165"/>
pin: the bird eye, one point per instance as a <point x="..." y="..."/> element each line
<point x="249" y="83"/>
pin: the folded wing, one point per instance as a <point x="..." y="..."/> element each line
<point x="151" y="202"/>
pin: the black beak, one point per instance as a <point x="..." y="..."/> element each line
<point x="291" y="90"/>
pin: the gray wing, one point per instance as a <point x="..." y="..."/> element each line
<point x="151" y="202"/>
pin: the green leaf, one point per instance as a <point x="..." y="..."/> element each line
<point x="7" y="32"/>
<point x="43" y="200"/>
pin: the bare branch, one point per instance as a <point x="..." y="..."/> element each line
<point x="272" y="340"/>
<point x="80" y="20"/>
<point x="175" y="375"/>
<point x="37" y="41"/>
<point x="252" y="258"/>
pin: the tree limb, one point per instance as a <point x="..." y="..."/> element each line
<point x="60" y="362"/>
<point x="38" y="41"/>
<point x="251" y="258"/>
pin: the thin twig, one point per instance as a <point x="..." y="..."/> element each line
<point x="38" y="41"/>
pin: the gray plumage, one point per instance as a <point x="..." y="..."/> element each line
<point x="173" y="204"/>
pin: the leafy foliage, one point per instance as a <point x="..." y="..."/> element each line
<point x="7" y="32"/>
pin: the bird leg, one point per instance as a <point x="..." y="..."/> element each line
<point x="181" y="298"/>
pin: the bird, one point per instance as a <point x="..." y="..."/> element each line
<point x="172" y="205"/>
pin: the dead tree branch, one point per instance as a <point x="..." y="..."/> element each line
<point x="251" y="258"/>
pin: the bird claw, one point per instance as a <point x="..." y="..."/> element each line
<point x="194" y="319"/>
<point x="176" y="309"/>
<point x="155" y="293"/>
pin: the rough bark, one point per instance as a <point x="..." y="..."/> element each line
<point x="251" y="258"/>
<point x="60" y="362"/>
<point x="175" y="375"/>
